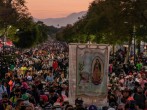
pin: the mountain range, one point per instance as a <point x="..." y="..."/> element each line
<point x="60" y="22"/>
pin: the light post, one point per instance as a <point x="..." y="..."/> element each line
<point x="134" y="31"/>
<point x="5" y="38"/>
<point x="134" y="40"/>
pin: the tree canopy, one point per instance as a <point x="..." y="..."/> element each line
<point x="13" y="12"/>
<point x="110" y="21"/>
<point x="24" y="32"/>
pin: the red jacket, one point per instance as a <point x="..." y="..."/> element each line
<point x="55" y="65"/>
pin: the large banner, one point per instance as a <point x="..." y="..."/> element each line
<point x="88" y="71"/>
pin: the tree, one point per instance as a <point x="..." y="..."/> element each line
<point x="12" y="12"/>
<point x="113" y="22"/>
<point x="26" y="39"/>
<point x="35" y="34"/>
<point x="113" y="19"/>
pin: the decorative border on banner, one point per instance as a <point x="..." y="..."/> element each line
<point x="105" y="47"/>
<point x="97" y="46"/>
<point x="89" y="46"/>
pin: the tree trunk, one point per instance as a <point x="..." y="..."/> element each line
<point x="113" y="49"/>
<point x="138" y="47"/>
<point x="128" y="51"/>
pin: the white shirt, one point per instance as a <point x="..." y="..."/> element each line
<point x="29" y="78"/>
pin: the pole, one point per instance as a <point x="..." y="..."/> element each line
<point x="134" y="31"/>
<point x="4" y="41"/>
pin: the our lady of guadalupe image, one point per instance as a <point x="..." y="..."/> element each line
<point x="96" y="72"/>
<point x="90" y="63"/>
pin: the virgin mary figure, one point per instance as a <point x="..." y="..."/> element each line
<point x="96" y="73"/>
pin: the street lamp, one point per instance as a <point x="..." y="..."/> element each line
<point x="8" y="30"/>
<point x="133" y="35"/>
<point x="5" y="38"/>
<point x="134" y="31"/>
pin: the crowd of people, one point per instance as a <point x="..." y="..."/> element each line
<point x="38" y="79"/>
<point x="127" y="89"/>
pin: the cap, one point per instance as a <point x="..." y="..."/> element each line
<point x="78" y="101"/>
<point x="113" y="74"/>
<point x="25" y="97"/>
<point x="44" y="98"/>
<point x="130" y="98"/>
<point x="92" y="107"/>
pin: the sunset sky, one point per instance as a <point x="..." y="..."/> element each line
<point x="56" y="8"/>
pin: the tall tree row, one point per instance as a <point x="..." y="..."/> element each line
<point x="17" y="24"/>
<point x="111" y="21"/>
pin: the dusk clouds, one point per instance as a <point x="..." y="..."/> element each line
<point x="56" y="8"/>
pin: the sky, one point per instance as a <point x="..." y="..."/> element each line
<point x="56" y="8"/>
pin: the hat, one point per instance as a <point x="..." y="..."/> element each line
<point x="130" y="99"/>
<point x="78" y="101"/>
<point x="44" y="98"/>
<point x="92" y="107"/>
<point x="113" y="74"/>
<point x="25" y="97"/>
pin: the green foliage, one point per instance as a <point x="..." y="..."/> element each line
<point x="52" y="30"/>
<point x="35" y="34"/>
<point x="110" y="21"/>
<point x="67" y="32"/>
<point x="14" y="13"/>
<point x="26" y="38"/>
